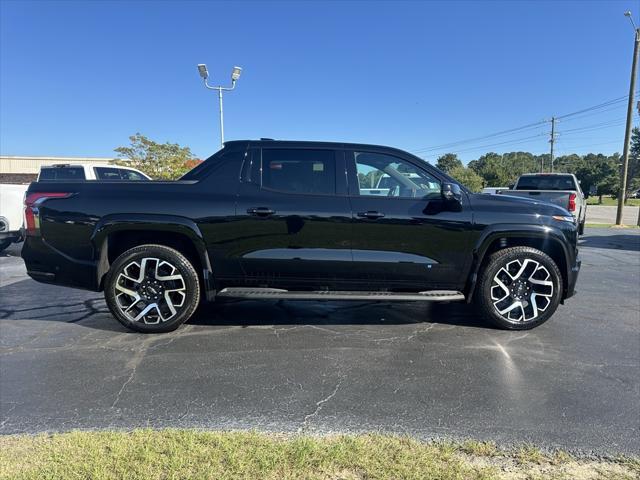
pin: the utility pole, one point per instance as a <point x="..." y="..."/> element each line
<point x="627" y="133"/>
<point x="552" y="140"/>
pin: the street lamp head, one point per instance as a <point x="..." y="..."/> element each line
<point x="235" y="74"/>
<point x="202" y="69"/>
<point x="627" y="13"/>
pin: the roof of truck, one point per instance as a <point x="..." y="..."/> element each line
<point x="317" y="144"/>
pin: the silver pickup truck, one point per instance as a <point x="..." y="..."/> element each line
<point x="561" y="189"/>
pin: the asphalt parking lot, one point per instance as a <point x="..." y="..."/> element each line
<point x="433" y="371"/>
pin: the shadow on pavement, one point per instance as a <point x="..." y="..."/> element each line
<point x="247" y="313"/>
<point x="629" y="242"/>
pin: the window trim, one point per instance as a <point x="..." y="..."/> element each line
<point x="354" y="185"/>
<point x="338" y="157"/>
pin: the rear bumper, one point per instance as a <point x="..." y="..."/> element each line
<point x="13" y="236"/>
<point x="48" y="265"/>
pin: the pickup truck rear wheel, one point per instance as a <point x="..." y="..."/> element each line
<point x="152" y="289"/>
<point x="520" y="288"/>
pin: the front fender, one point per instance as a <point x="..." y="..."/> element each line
<point x="547" y="234"/>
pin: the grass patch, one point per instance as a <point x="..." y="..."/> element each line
<point x="612" y="202"/>
<point x="178" y="454"/>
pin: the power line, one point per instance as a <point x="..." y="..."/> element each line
<point x="484" y="137"/>
<point x="596" y="107"/>
<point x="600" y="107"/>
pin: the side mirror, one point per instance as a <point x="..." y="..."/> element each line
<point x="452" y="193"/>
<point x="511" y="186"/>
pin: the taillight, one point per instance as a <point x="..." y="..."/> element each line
<point x="32" y="202"/>
<point x="572" y="202"/>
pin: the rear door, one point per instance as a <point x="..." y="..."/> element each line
<point x="295" y="218"/>
<point x="407" y="239"/>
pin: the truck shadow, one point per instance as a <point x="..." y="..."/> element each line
<point x="628" y="242"/>
<point x="246" y="313"/>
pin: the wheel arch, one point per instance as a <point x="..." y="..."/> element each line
<point x="498" y="237"/>
<point x="114" y="234"/>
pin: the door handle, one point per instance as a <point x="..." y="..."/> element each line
<point x="260" y="211"/>
<point x="371" y="214"/>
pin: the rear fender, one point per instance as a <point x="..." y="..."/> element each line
<point x="148" y="222"/>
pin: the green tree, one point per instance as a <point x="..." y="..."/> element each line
<point x="468" y="178"/>
<point x="633" y="173"/>
<point x="164" y="161"/>
<point x="448" y="162"/>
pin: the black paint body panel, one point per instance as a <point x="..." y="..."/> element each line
<point x="308" y="242"/>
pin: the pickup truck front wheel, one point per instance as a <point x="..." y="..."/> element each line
<point x="152" y="289"/>
<point x="520" y="288"/>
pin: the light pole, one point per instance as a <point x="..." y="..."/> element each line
<point x="627" y="133"/>
<point x="235" y="75"/>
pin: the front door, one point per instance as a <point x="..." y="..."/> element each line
<point x="295" y="217"/>
<point x="404" y="237"/>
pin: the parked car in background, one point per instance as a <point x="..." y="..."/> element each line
<point x="493" y="190"/>
<point x="635" y="194"/>
<point x="294" y="220"/>
<point x="80" y="171"/>
<point x="11" y="213"/>
<point x="562" y="189"/>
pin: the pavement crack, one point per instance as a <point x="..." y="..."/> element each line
<point x="319" y="405"/>
<point x="133" y="364"/>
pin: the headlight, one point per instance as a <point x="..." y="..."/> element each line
<point x="562" y="218"/>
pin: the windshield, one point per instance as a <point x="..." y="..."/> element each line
<point x="546" y="182"/>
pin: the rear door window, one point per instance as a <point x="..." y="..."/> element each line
<point x="299" y="171"/>
<point x="107" y="173"/>
<point x="130" y="175"/>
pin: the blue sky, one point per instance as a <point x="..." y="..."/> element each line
<point x="77" y="78"/>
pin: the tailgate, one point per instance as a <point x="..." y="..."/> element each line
<point x="560" y="198"/>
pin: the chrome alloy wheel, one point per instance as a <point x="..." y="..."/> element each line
<point x="150" y="290"/>
<point x="522" y="290"/>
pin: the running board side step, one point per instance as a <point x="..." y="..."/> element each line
<point x="278" y="294"/>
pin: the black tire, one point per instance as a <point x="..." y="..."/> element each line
<point x="4" y="244"/>
<point x="581" y="228"/>
<point x="188" y="297"/>
<point x="514" y="258"/>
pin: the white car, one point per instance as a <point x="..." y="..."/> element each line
<point x="11" y="198"/>
<point x="86" y="171"/>
<point x="493" y="190"/>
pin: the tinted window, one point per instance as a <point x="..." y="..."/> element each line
<point x="387" y="176"/>
<point x="131" y="175"/>
<point x="299" y="171"/>
<point x="223" y="165"/>
<point x="47" y="174"/>
<point x="546" y="182"/>
<point x="62" y="173"/>
<point x="105" y="173"/>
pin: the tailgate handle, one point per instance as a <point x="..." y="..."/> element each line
<point x="371" y="214"/>
<point x="260" y="211"/>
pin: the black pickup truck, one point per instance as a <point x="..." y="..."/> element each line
<point x="297" y="220"/>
